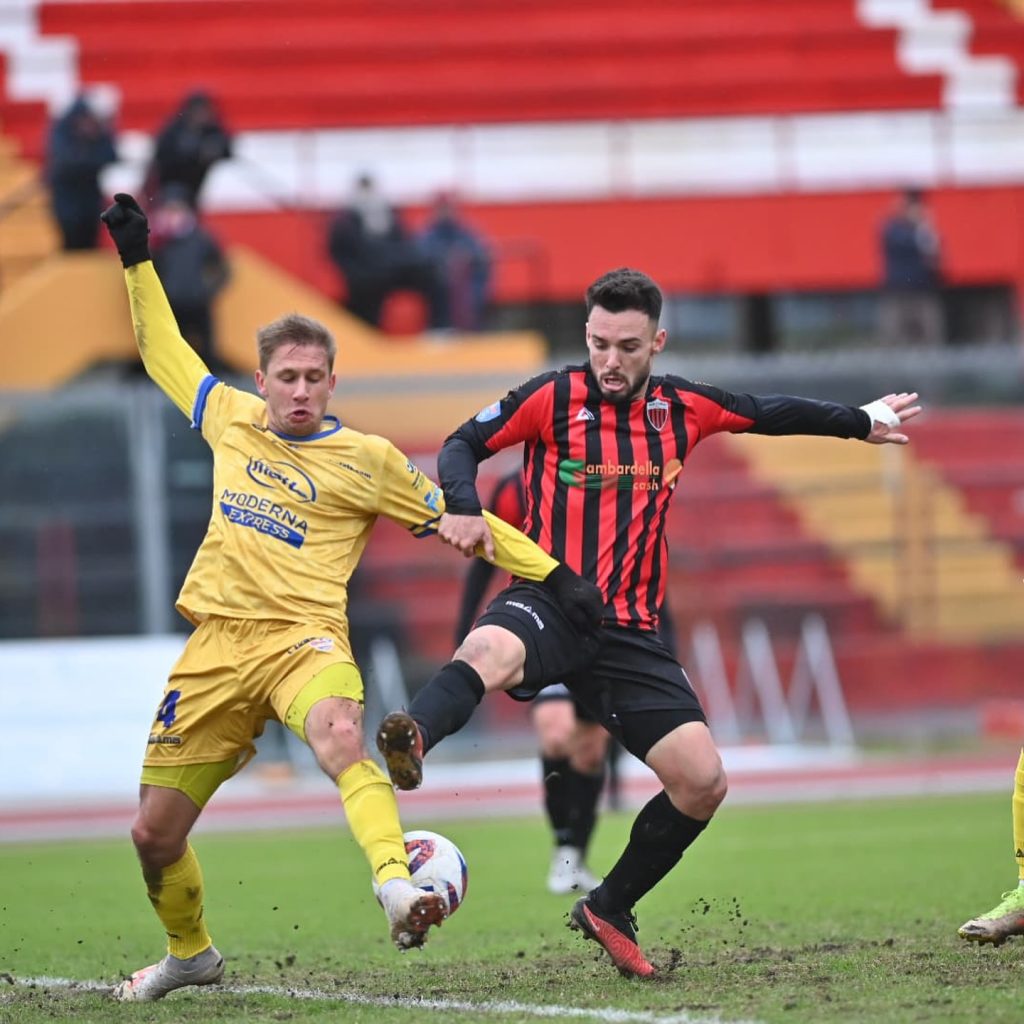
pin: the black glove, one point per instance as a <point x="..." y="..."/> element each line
<point x="581" y="602"/>
<point x="128" y="228"/>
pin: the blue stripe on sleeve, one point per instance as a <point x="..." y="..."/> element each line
<point x="207" y="384"/>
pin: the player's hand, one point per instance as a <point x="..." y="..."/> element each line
<point x="129" y="229"/>
<point x="466" y="534"/>
<point x="581" y="602"/>
<point x="888" y="414"/>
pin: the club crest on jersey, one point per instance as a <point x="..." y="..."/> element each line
<point x="657" y="413"/>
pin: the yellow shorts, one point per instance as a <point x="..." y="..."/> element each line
<point x="233" y="676"/>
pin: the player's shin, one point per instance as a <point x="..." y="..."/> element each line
<point x="584" y="794"/>
<point x="447" y="702"/>
<point x="177" y="898"/>
<point x="659" y="837"/>
<point x="555" y="772"/>
<point x="372" y="813"/>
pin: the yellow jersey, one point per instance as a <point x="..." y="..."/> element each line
<point x="291" y="515"/>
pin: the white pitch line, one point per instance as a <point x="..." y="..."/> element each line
<point x="611" y="1016"/>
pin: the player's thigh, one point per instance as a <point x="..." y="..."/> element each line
<point x="290" y="666"/>
<point x="207" y="715"/>
<point x="553" y="648"/>
<point x="302" y="701"/>
<point x="496" y="653"/>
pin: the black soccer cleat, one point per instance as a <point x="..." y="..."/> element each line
<point x="399" y="740"/>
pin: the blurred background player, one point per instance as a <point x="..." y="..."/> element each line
<point x="267" y="595"/>
<point x="1007" y="918"/>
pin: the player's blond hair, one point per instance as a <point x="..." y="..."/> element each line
<point x="294" y="329"/>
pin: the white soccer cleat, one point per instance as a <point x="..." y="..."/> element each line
<point x="585" y="881"/>
<point x="410" y="911"/>
<point x="569" y="874"/>
<point x="154" y="982"/>
<point x="565" y="863"/>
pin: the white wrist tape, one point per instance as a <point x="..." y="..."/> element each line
<point x="881" y="413"/>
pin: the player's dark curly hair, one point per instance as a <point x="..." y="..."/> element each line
<point x="623" y="289"/>
<point x="294" y="328"/>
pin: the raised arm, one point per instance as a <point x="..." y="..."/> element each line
<point x="169" y="359"/>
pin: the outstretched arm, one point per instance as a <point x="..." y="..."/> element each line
<point x="169" y="359"/>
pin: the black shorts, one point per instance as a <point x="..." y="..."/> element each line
<point x="625" y="678"/>
<point x="555" y="649"/>
<point x="636" y="689"/>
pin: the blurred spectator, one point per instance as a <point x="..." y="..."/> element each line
<point x="376" y="256"/>
<point x="911" y="306"/>
<point x="81" y="144"/>
<point x="188" y="145"/>
<point x="192" y="268"/>
<point x="465" y="262"/>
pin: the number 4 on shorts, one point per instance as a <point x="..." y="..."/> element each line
<point x="168" y="710"/>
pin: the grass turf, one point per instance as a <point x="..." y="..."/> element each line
<point x="843" y="912"/>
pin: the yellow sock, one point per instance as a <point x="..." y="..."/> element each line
<point x="1018" y="815"/>
<point x="372" y="812"/>
<point x="178" y="901"/>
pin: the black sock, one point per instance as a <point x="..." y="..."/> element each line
<point x="556" y="797"/>
<point x="584" y="792"/>
<point x="447" y="702"/>
<point x="657" y="840"/>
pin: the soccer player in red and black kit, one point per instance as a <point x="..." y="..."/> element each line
<point x="603" y="446"/>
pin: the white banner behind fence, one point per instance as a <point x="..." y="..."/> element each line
<point x="74" y="714"/>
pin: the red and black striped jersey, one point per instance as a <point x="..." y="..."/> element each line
<point x="599" y="475"/>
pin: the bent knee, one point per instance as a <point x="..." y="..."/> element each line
<point x="156" y="846"/>
<point x="710" y="792"/>
<point x="699" y="794"/>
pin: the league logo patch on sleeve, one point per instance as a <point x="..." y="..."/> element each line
<point x="493" y="411"/>
<point x="432" y="499"/>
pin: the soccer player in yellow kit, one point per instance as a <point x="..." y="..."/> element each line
<point x="295" y="497"/>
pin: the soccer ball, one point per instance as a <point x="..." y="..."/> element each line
<point x="437" y="865"/>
